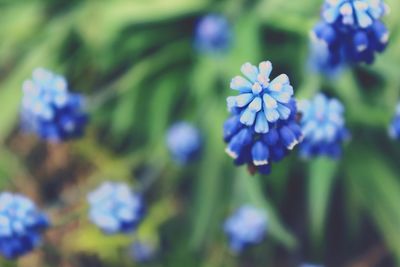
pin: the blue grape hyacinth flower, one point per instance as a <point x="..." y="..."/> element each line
<point x="21" y="225"/>
<point x="394" y="127"/>
<point x="213" y="34"/>
<point x="263" y="124"/>
<point x="352" y="30"/>
<point x="114" y="208"/>
<point x="247" y="226"/>
<point x="49" y="110"/>
<point x="184" y="142"/>
<point x="323" y="127"/>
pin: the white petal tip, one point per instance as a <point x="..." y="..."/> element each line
<point x="292" y="145"/>
<point x="260" y="162"/>
<point x="231" y="153"/>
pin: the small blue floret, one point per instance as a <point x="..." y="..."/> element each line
<point x="247" y="226"/>
<point x="184" y="142"/>
<point x="114" y="208"/>
<point x="213" y="34"/>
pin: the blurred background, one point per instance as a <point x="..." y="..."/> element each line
<point x="138" y="66"/>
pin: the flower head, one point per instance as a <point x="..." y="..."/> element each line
<point x="261" y="101"/>
<point x="114" y="208"/>
<point x="21" y="224"/>
<point x="49" y="110"/>
<point x="213" y="34"/>
<point x="352" y="30"/>
<point x="394" y="128"/>
<point x="323" y="127"/>
<point x="263" y="126"/>
<point x="247" y="226"/>
<point x="184" y="142"/>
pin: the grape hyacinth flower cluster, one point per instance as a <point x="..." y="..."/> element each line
<point x="352" y="30"/>
<point x="263" y="126"/>
<point x="184" y="142"/>
<point x="114" y="208"/>
<point x="21" y="225"/>
<point x="323" y="127"/>
<point x="247" y="226"/>
<point x="213" y="34"/>
<point x="394" y="128"/>
<point x="49" y="110"/>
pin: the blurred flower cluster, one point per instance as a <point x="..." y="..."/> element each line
<point x="49" y="110"/>
<point x="350" y="31"/>
<point x="323" y="127"/>
<point x="21" y="224"/>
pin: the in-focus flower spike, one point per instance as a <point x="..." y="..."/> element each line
<point x="263" y="125"/>
<point x="114" y="208"/>
<point x="352" y="30"/>
<point x="184" y="142"/>
<point x="213" y="34"/>
<point x="247" y="226"/>
<point x="323" y="127"/>
<point x="261" y="102"/>
<point x="49" y="110"/>
<point x="394" y="128"/>
<point x="21" y="225"/>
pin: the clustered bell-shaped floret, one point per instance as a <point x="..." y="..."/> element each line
<point x="352" y="30"/>
<point x="213" y="34"/>
<point x="323" y="127"/>
<point x="114" y="208"/>
<point x="49" y="110"/>
<point x="247" y="226"/>
<point x="21" y="225"/>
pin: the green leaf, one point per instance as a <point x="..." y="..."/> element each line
<point x="209" y="186"/>
<point x="376" y="185"/>
<point x="320" y="185"/>
<point x="249" y="190"/>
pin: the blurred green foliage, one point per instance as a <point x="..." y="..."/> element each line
<point x="136" y="63"/>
